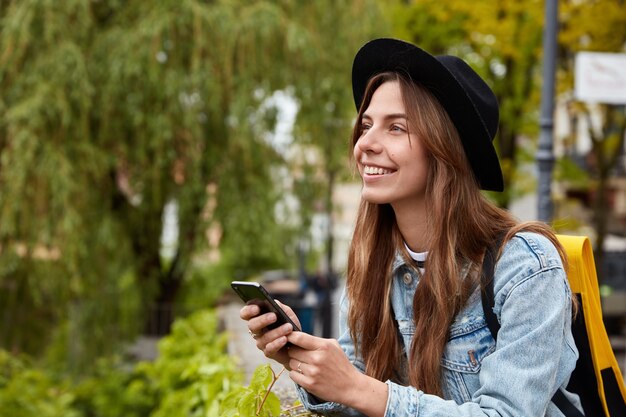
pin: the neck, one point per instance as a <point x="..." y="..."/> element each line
<point x="412" y="225"/>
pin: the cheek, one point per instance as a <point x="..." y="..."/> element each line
<point x="356" y="155"/>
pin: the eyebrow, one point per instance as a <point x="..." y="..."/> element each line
<point x="387" y="116"/>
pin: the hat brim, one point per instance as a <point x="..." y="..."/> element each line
<point x="386" y="54"/>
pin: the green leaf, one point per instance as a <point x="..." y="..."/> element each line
<point x="248" y="403"/>
<point x="261" y="378"/>
<point x="271" y="407"/>
<point x="230" y="404"/>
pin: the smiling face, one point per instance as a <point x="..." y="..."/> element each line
<point x="392" y="162"/>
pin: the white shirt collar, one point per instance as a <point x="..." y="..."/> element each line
<point x="416" y="256"/>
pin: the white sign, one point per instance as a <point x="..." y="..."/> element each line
<point x="601" y="77"/>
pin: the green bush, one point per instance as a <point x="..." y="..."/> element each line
<point x="116" y="390"/>
<point x="26" y="391"/>
<point x="193" y="376"/>
<point x="190" y="377"/>
<point x="193" y="373"/>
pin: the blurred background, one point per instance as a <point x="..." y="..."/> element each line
<point x="153" y="151"/>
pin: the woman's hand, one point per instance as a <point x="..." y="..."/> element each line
<point x="270" y="342"/>
<point x="322" y="368"/>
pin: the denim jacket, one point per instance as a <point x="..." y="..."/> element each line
<point x="517" y="376"/>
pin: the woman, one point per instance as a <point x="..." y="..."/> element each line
<point x="413" y="337"/>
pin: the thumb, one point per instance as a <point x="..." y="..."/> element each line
<point x="305" y="340"/>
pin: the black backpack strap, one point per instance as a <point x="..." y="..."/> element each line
<point x="567" y="408"/>
<point x="488" y="301"/>
<point x="486" y="287"/>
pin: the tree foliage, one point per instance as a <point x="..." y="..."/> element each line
<point x="112" y="111"/>
<point x="326" y="106"/>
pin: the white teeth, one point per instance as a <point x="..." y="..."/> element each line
<point x="375" y="170"/>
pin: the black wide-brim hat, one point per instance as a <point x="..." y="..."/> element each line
<point x="469" y="101"/>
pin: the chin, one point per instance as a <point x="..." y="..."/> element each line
<point x="373" y="198"/>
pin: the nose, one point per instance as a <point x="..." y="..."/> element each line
<point x="369" y="142"/>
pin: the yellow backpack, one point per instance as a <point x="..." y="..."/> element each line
<point x="597" y="378"/>
<point x="596" y="365"/>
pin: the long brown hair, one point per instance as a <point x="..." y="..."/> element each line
<point x="461" y="223"/>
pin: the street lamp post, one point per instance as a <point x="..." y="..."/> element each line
<point x="545" y="155"/>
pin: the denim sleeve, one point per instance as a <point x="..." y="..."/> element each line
<point x="535" y="351"/>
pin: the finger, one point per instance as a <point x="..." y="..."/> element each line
<point x="268" y="336"/>
<point x="273" y="340"/>
<point x="258" y="323"/>
<point x="285" y="307"/>
<point x="273" y="347"/>
<point x="300" y="378"/>
<point x="297" y="366"/>
<point x="249" y="311"/>
<point x="305" y="341"/>
<point x="290" y="313"/>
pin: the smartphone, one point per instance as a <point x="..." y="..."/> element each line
<point x="254" y="293"/>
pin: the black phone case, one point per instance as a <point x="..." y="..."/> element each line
<point x="255" y="293"/>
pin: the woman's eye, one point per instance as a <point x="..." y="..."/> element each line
<point x="397" y="128"/>
<point x="365" y="127"/>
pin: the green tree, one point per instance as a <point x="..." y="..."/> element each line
<point x="111" y="112"/>
<point x="335" y="31"/>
